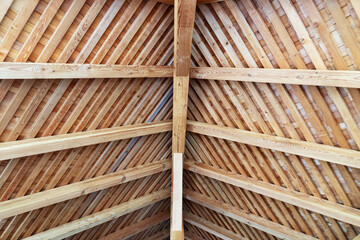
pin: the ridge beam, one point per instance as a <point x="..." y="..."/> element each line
<point x="184" y="18"/>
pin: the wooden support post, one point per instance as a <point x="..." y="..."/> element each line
<point x="184" y="25"/>
<point x="176" y="197"/>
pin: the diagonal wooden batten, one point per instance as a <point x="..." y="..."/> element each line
<point x="34" y="146"/>
<point x="326" y="153"/>
<point x="42" y="199"/>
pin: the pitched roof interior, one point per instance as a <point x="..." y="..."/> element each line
<point x="279" y="34"/>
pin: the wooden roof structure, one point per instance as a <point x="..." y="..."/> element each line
<point x="208" y="119"/>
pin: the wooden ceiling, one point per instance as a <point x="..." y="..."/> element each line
<point x="232" y="190"/>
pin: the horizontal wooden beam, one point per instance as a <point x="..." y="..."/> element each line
<point x="252" y="220"/>
<point x="349" y="79"/>
<point x="138" y="227"/>
<point x="82" y="224"/>
<point x="336" y="211"/>
<point x="34" y="146"/>
<point x="326" y="153"/>
<point x="46" y="198"/>
<point x="211" y="227"/>
<point x="64" y="70"/>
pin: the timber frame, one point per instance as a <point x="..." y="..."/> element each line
<point x="202" y="120"/>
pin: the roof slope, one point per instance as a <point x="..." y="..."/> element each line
<point x="222" y="177"/>
<point x="275" y="34"/>
<point x="98" y="32"/>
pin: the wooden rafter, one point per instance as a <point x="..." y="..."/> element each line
<point x="326" y="153"/>
<point x="42" y="199"/>
<point x="337" y="211"/>
<point x="82" y="224"/>
<point x="30" y="147"/>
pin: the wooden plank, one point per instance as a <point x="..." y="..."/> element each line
<point x="249" y="219"/>
<point x="42" y="199"/>
<point x="349" y="79"/>
<point x="138" y="227"/>
<point x="101" y="217"/>
<point x="68" y="71"/>
<point x="30" y="147"/>
<point x="337" y="211"/>
<point x="326" y="153"/>
<point x="211" y="227"/>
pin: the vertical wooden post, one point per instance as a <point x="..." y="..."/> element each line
<point x="184" y="25"/>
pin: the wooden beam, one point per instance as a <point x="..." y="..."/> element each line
<point x="138" y="227"/>
<point x="326" y="153"/>
<point x="82" y="224"/>
<point x="349" y="79"/>
<point x="340" y="212"/>
<point x="46" y="198"/>
<point x="29" y="147"/>
<point x="211" y="227"/>
<point x="184" y="17"/>
<point x="252" y="220"/>
<point x="64" y="71"/>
